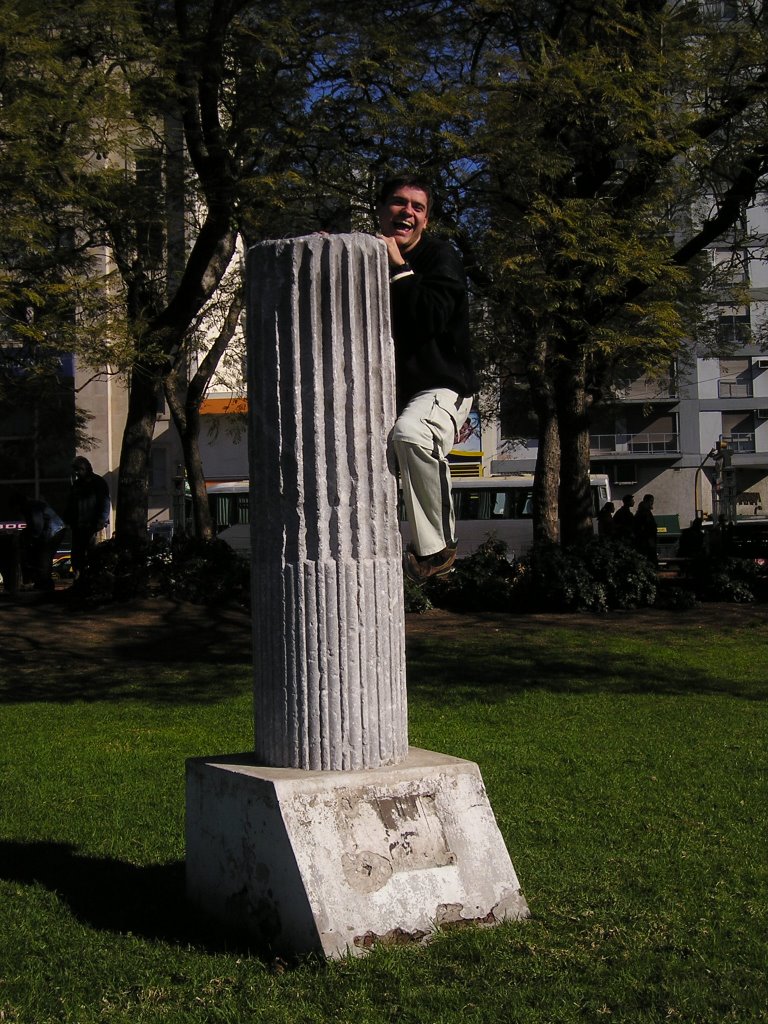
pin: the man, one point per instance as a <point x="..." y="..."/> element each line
<point x="87" y="511"/>
<point x="435" y="377"/>
<point x="646" y="531"/>
<point x="624" y="522"/>
<point x="40" y="539"/>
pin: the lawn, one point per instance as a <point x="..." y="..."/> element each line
<point x="626" y="766"/>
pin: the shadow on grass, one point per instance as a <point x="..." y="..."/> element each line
<point x="109" y="895"/>
<point x="450" y="673"/>
<point x="159" y="685"/>
<point x="162" y="652"/>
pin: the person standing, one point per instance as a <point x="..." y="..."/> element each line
<point x="605" y="521"/>
<point x="433" y="363"/>
<point x="646" y="531"/>
<point x="40" y="539"/>
<point x="87" y="511"/>
<point x="623" y="523"/>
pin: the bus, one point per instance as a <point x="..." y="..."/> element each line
<point x="499" y="507"/>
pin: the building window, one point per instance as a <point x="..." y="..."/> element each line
<point x="735" y="378"/>
<point x="733" y="329"/>
<point x="739" y="431"/>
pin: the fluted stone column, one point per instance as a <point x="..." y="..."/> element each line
<point x="327" y="594"/>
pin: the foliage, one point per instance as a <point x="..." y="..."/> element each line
<point x="629" y="578"/>
<point x="483" y="581"/>
<point x="114" y="574"/>
<point x="610" y="145"/>
<point x="415" y="597"/>
<point x="207" y="572"/>
<point x="594" y="577"/>
<point x="719" y="578"/>
<point x="188" y="569"/>
<point x="557" y="579"/>
<point x="573" y="146"/>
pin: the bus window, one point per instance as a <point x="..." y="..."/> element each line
<point x="243" y="509"/>
<point x="219" y="504"/>
<point x="500" y="505"/>
<point x="466" y="504"/>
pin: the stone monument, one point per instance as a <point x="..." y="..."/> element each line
<point x="333" y="833"/>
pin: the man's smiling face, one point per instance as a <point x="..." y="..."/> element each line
<point x="404" y="216"/>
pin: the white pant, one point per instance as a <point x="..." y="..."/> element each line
<point x="424" y="433"/>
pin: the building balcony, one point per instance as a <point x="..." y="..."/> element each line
<point x="644" y="443"/>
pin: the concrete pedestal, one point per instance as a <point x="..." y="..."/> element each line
<point x="331" y="862"/>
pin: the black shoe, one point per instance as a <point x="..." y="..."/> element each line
<point x="421" y="568"/>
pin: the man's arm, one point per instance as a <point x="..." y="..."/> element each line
<point x="429" y="297"/>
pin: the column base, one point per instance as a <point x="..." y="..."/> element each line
<point x="332" y="862"/>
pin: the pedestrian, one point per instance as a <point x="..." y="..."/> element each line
<point x="605" y="521"/>
<point x="40" y="540"/>
<point x="646" y="531"/>
<point x="624" y="522"/>
<point x="434" y="371"/>
<point x="87" y="512"/>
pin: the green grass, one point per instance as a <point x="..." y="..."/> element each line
<point x="627" y="772"/>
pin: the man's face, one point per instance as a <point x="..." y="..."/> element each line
<point x="403" y="216"/>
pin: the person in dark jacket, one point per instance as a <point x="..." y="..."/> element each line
<point x="434" y="371"/>
<point x="87" y="511"/>
<point x="624" y="522"/>
<point x="40" y="540"/>
<point x="646" y="531"/>
<point x="605" y="521"/>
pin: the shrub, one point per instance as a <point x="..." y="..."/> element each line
<point x="114" y="574"/>
<point x="595" y="577"/>
<point x="188" y="569"/>
<point x="207" y="572"/>
<point x="558" y="579"/>
<point x="628" y="578"/>
<point x="736" y="580"/>
<point x="415" y="597"/>
<point x="483" y="581"/>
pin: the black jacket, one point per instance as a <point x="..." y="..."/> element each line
<point x="88" y="505"/>
<point x="430" y="321"/>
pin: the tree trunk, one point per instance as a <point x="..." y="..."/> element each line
<point x="547" y="475"/>
<point x="184" y="399"/>
<point x="133" y="485"/>
<point x="201" y="512"/>
<point x="572" y="399"/>
<point x="185" y="411"/>
<point x="546" y="480"/>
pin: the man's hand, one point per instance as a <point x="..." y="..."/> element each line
<point x="396" y="258"/>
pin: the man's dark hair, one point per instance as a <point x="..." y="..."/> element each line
<point x="391" y="185"/>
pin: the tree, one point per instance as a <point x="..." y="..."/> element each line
<point x="216" y="92"/>
<point x="614" y="142"/>
<point x="50" y="302"/>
